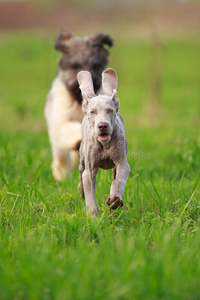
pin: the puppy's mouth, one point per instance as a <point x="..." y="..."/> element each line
<point x="104" y="138"/>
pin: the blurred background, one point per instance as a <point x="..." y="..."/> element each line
<point x="122" y="18"/>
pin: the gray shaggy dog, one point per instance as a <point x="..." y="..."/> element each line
<point x="63" y="108"/>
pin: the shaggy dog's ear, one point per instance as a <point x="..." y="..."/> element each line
<point x="62" y="40"/>
<point x="102" y="39"/>
<point x="87" y="88"/>
<point x="109" y="85"/>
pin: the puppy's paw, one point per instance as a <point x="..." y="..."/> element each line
<point x="93" y="212"/>
<point x="114" y="202"/>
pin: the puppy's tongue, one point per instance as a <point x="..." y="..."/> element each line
<point x="104" y="137"/>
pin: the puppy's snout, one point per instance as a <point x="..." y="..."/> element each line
<point x="103" y="126"/>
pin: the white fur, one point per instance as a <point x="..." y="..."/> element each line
<point x="63" y="115"/>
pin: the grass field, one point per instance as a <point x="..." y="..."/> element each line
<point x="150" y="249"/>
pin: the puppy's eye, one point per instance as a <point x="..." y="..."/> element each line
<point x="109" y="111"/>
<point x="93" y="112"/>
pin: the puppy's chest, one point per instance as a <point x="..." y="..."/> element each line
<point x="106" y="160"/>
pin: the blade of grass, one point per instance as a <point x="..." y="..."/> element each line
<point x="183" y="174"/>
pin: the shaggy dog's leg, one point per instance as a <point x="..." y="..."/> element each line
<point x="74" y="158"/>
<point x="61" y="164"/>
<point x="63" y="139"/>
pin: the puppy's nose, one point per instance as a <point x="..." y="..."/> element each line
<point x="103" y="126"/>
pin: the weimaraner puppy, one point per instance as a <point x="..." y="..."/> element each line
<point x="104" y="143"/>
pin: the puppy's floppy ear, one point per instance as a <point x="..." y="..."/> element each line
<point x="109" y="81"/>
<point x="62" y="39"/>
<point x="101" y="38"/>
<point x="109" y="85"/>
<point x="87" y="88"/>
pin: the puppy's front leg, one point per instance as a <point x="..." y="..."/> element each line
<point x="118" y="185"/>
<point x="89" y="180"/>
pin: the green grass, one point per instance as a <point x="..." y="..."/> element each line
<point x="149" y="249"/>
